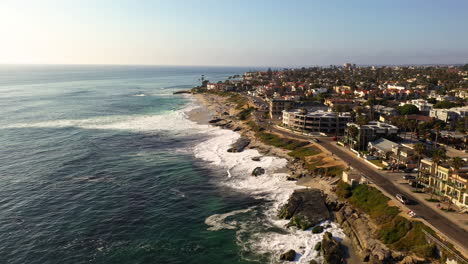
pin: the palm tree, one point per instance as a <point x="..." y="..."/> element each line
<point x="456" y="163"/>
<point x="353" y="132"/>
<point x="420" y="149"/>
<point x="439" y="155"/>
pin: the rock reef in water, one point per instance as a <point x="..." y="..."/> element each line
<point x="305" y="208"/>
<point x="258" y="171"/>
<point x="289" y="255"/>
<point x="331" y="250"/>
<point x="239" y="145"/>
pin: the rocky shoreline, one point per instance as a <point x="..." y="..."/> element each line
<point x="307" y="208"/>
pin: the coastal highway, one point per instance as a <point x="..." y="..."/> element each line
<point x="444" y="225"/>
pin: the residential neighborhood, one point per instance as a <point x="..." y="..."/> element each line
<point x="412" y="119"/>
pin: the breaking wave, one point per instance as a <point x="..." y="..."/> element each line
<point x="262" y="233"/>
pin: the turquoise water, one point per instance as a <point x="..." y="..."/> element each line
<point x="94" y="168"/>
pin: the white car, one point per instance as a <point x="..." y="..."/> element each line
<point x="402" y="199"/>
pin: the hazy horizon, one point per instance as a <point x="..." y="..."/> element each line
<point x="233" y="34"/>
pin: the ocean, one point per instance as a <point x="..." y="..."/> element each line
<point x="100" y="164"/>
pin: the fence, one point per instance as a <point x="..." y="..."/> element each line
<point x="455" y="255"/>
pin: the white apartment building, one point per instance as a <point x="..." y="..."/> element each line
<point x="316" y="121"/>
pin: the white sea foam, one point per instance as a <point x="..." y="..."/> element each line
<point x="218" y="221"/>
<point x="272" y="186"/>
<point x="171" y="121"/>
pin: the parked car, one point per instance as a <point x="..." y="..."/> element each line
<point x="315" y="140"/>
<point x="409" y="177"/>
<point x="402" y="199"/>
<point x="334" y="138"/>
<point x="408" y="170"/>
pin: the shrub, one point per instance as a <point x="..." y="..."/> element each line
<point x="300" y="222"/>
<point x="244" y="114"/>
<point x="343" y="190"/>
<point x="317" y="229"/>
<point x="334" y="171"/>
<point x="318" y="246"/>
<point x="303" y="152"/>
<point x="394" y="230"/>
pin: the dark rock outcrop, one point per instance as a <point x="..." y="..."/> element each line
<point x="360" y="231"/>
<point x="317" y="229"/>
<point x="305" y="208"/>
<point x="239" y="145"/>
<point x="257" y="158"/>
<point x="258" y="171"/>
<point x="182" y="92"/>
<point x="331" y="250"/>
<point x="215" y="120"/>
<point x="289" y="255"/>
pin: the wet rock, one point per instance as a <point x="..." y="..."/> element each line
<point x="331" y="250"/>
<point x="289" y="255"/>
<point x="258" y="171"/>
<point x="305" y="208"/>
<point x="317" y="229"/>
<point x="333" y="204"/>
<point x="215" y="120"/>
<point x="239" y="145"/>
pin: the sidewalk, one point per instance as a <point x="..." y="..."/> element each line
<point x="460" y="219"/>
<point x="396" y="178"/>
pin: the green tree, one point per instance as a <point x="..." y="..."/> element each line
<point x="420" y="149"/>
<point x="456" y="163"/>
<point x="439" y="155"/>
<point x="353" y="133"/>
<point x="362" y="120"/>
<point x="408" y="109"/>
<point x="445" y="104"/>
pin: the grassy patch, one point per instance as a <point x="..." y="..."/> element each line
<point x="244" y="114"/>
<point x="343" y="190"/>
<point x="334" y="171"/>
<point x="378" y="163"/>
<point x="304" y="152"/>
<point x="255" y="127"/>
<point x="280" y="142"/>
<point x="395" y="231"/>
<point x="374" y="203"/>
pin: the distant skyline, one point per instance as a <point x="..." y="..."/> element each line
<point x="233" y="33"/>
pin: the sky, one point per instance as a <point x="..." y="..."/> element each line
<point x="233" y="32"/>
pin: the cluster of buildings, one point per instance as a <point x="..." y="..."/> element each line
<point x="445" y="180"/>
<point x="359" y="105"/>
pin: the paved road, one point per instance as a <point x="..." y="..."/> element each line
<point x="443" y="224"/>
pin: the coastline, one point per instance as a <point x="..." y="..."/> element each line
<point x="212" y="106"/>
